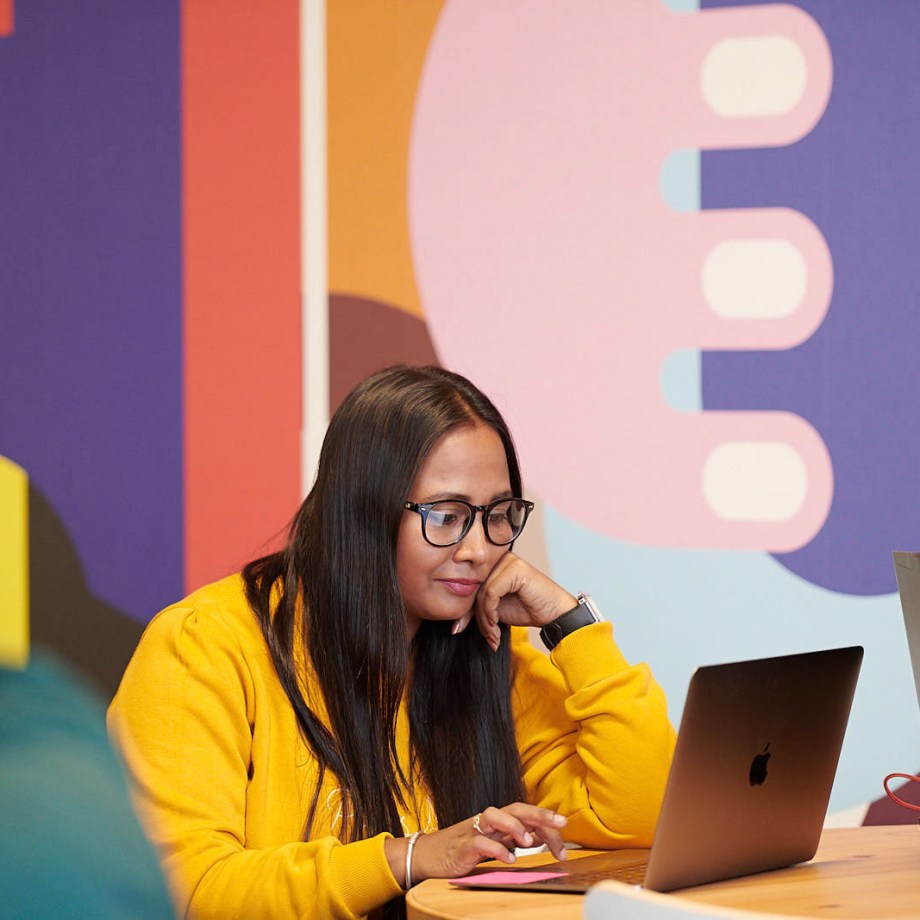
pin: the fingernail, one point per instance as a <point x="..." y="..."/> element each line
<point x="560" y="820"/>
<point x="511" y="856"/>
<point x="528" y="839"/>
<point x="563" y="855"/>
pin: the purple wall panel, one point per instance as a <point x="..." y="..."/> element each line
<point x="90" y="283"/>
<point x="856" y="379"/>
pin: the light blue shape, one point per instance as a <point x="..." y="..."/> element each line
<point x="682" y="6"/>
<point x="679" y="180"/>
<point x="681" y="380"/>
<point x="680" y="608"/>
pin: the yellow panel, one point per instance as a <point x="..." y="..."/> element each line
<point x="375" y="56"/>
<point x="14" y="565"/>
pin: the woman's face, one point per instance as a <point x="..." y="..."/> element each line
<point x="440" y="583"/>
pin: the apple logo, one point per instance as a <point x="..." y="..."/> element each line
<point x="759" y="766"/>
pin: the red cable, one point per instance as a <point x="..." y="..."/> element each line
<point x="898" y="799"/>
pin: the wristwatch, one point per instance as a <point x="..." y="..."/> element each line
<point x="582" y="614"/>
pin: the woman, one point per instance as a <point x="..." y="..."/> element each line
<point x="317" y="734"/>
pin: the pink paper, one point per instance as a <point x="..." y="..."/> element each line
<point x="505" y="878"/>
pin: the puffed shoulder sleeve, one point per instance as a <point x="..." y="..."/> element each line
<point x="184" y="719"/>
<point x="594" y="736"/>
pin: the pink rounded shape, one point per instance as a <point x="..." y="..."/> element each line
<point x="553" y="274"/>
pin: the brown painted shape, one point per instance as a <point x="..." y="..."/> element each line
<point x="94" y="637"/>
<point x="366" y="336"/>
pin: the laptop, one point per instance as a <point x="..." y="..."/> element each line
<point x="907" y="571"/>
<point x="749" y="785"/>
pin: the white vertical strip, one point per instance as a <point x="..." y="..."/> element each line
<point x="314" y="249"/>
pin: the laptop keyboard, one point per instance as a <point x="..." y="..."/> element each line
<point x="630" y="875"/>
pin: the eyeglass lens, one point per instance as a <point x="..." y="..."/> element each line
<point x="447" y="521"/>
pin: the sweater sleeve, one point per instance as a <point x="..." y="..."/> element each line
<point x="184" y="719"/>
<point x="594" y="737"/>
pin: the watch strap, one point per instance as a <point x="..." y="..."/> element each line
<point x="582" y="614"/>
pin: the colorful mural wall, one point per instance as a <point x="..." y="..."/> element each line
<point x="673" y="241"/>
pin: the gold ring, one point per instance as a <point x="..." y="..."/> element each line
<point x="476" y="826"/>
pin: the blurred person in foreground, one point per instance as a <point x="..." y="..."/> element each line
<point x="70" y="844"/>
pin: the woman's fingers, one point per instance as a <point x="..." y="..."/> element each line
<point x="518" y="594"/>
<point x="492" y="593"/>
<point x="486" y="847"/>
<point x="461" y="624"/>
<point x="525" y="825"/>
<point x="545" y="824"/>
<point x="494" y="822"/>
<point x="553" y="840"/>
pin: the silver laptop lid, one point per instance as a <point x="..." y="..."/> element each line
<point x="755" y="762"/>
<point x="907" y="571"/>
<point x="750" y="782"/>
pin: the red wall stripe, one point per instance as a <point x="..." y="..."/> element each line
<point x="6" y="17"/>
<point x="241" y="258"/>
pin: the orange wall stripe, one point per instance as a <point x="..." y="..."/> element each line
<point x="241" y="278"/>
<point x="376" y="54"/>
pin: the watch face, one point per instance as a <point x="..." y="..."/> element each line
<point x="588" y="602"/>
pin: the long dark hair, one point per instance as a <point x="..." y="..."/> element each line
<point x="339" y="569"/>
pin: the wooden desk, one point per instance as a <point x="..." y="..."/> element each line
<point x="860" y="872"/>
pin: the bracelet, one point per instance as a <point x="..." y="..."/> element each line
<point x="412" y="840"/>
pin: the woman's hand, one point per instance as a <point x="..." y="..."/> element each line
<point x="457" y="850"/>
<point x="517" y="594"/>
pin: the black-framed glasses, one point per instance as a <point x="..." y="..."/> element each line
<point x="445" y="523"/>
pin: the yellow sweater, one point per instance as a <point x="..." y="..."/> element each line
<point x="222" y="778"/>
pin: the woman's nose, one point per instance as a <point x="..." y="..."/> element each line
<point x="474" y="543"/>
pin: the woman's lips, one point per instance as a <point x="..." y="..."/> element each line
<point x="462" y="587"/>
